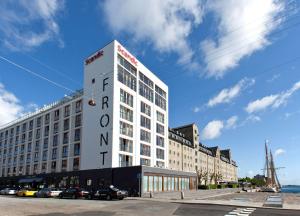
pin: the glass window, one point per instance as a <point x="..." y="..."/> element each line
<point x="150" y="183"/>
<point x="126" y="113"/>
<point x="155" y="183"/>
<point x="160" y="117"/>
<point x="160" y="141"/>
<point x="126" y="145"/>
<point x="77" y="135"/>
<point x="76" y="149"/>
<point x="126" y="129"/>
<point x="145" y="122"/>
<point x="126" y="65"/>
<point x="145" y="162"/>
<point x="145" y="136"/>
<point x="145" y="183"/>
<point x="125" y="160"/>
<point x="160" y="153"/>
<point x="160" y="129"/>
<point x="145" y="108"/>
<point x="160" y="183"/>
<point x="78" y="106"/>
<point x="145" y="91"/>
<point x="126" y="78"/>
<point x="65" y="151"/>
<point x="146" y="80"/>
<point x="145" y="150"/>
<point x="126" y="98"/>
<point x="78" y="120"/>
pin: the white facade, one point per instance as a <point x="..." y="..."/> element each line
<point x="128" y="126"/>
<point x="119" y="133"/>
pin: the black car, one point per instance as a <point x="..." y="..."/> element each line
<point x="108" y="193"/>
<point x="73" y="193"/>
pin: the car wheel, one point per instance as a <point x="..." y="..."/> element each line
<point x="121" y="198"/>
<point x="60" y="196"/>
<point x="108" y="197"/>
<point x="23" y="195"/>
<point x="90" y="197"/>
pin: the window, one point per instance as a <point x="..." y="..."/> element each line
<point x="24" y="127"/>
<point x="126" y="145"/>
<point x="46" y="131"/>
<point x="66" y="124"/>
<point x="126" y="65"/>
<point x="66" y="138"/>
<point x="145" y="122"/>
<point x="39" y="121"/>
<point x="76" y="149"/>
<point x="29" y="147"/>
<point x="160" y="154"/>
<point x="160" y="129"/>
<point x="160" y="141"/>
<point x="64" y="164"/>
<point x="126" y="129"/>
<point x="126" y="78"/>
<point x="37" y="145"/>
<point x="45" y="155"/>
<point x="77" y="135"/>
<point x="145" y="162"/>
<point x="55" y="128"/>
<point x="78" y="106"/>
<point x="65" y="151"/>
<point x="76" y="164"/>
<point x="78" y="120"/>
<point x="55" y="140"/>
<point x="126" y="113"/>
<point x="56" y="115"/>
<point x="145" y="150"/>
<point x="38" y="133"/>
<point x="160" y="164"/>
<point x="125" y="160"/>
<point x="160" y="117"/>
<point x="54" y="153"/>
<point x="53" y="165"/>
<point x="31" y="125"/>
<point x="146" y="109"/>
<point x="146" y="80"/>
<point x="44" y="167"/>
<point x="47" y="118"/>
<point x="67" y="111"/>
<point x="145" y="91"/>
<point x="126" y="98"/>
<point x="160" y="97"/>
<point x="145" y="136"/>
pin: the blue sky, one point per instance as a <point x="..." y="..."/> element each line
<point x="232" y="67"/>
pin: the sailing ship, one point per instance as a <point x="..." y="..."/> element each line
<point x="272" y="182"/>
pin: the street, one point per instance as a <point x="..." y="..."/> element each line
<point x="13" y="206"/>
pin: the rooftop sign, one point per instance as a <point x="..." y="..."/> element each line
<point x="94" y="57"/>
<point x="127" y="55"/>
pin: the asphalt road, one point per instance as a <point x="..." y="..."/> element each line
<point x="12" y="206"/>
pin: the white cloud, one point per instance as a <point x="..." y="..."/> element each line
<point x="273" y="101"/>
<point x="231" y="122"/>
<point x="228" y="94"/>
<point x="165" y="24"/>
<point x="10" y="106"/>
<point x="243" y="28"/>
<point x="273" y="78"/>
<point x="28" y="24"/>
<point x="279" y="151"/>
<point x="214" y="128"/>
<point x="196" y="109"/>
<point x="253" y="118"/>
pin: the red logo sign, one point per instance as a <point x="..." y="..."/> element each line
<point x="94" y="57"/>
<point x="127" y="55"/>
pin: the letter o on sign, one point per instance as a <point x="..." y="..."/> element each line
<point x="104" y="120"/>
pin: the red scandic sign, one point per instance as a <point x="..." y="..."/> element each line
<point x="127" y="55"/>
<point x="94" y="57"/>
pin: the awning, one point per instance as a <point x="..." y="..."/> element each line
<point x="30" y="180"/>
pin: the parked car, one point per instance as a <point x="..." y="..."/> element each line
<point x="73" y="193"/>
<point x="48" y="192"/>
<point x="108" y="193"/>
<point x="27" y="192"/>
<point x="9" y="191"/>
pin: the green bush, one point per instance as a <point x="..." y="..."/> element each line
<point x="203" y="187"/>
<point x="221" y="186"/>
<point x="232" y="186"/>
<point x="212" y="186"/>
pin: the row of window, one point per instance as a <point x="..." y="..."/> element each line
<point x="35" y="170"/>
<point x="17" y="129"/>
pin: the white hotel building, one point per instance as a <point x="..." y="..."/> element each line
<point x="119" y="119"/>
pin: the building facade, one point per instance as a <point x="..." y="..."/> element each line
<point x="212" y="165"/>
